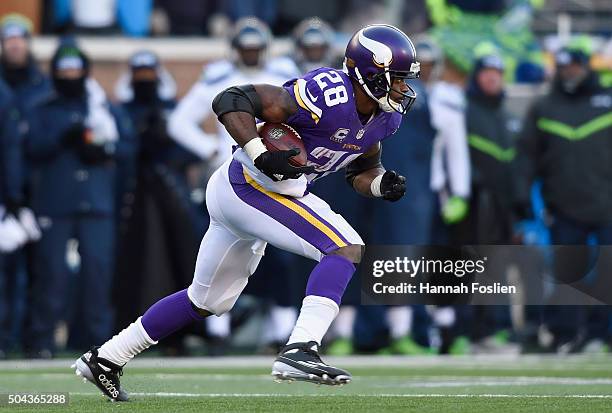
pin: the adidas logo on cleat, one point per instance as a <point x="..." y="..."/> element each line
<point x="108" y="385"/>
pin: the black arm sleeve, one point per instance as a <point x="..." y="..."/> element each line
<point x="362" y="164"/>
<point x="238" y="99"/>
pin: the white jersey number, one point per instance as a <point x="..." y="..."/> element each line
<point x="334" y="162"/>
<point x="333" y="95"/>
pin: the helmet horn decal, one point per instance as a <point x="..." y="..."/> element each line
<point x="381" y="53"/>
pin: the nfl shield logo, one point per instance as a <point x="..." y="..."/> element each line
<point x="360" y="134"/>
<point x="276" y="133"/>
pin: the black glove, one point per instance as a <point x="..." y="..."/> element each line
<point x="392" y="186"/>
<point x="277" y="167"/>
<point x="74" y="135"/>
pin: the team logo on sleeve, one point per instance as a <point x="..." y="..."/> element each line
<point x="340" y="135"/>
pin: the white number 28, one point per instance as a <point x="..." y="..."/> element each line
<point x="333" y="95"/>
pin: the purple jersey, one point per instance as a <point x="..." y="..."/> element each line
<point x="329" y="125"/>
<point x="328" y="122"/>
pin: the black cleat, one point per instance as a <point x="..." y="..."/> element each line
<point x="101" y="372"/>
<point x="301" y="361"/>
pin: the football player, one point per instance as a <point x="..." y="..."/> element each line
<point x="257" y="197"/>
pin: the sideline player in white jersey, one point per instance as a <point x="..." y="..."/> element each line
<point x="249" y="63"/>
<point x="258" y="196"/>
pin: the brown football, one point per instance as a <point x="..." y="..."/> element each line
<point x="282" y="137"/>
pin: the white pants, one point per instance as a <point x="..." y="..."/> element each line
<point x="244" y="217"/>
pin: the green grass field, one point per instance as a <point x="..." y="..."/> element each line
<point x="398" y="384"/>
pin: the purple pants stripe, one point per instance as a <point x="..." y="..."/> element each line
<point x="307" y="208"/>
<point x="281" y="213"/>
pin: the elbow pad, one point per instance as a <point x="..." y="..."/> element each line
<point x="238" y="99"/>
<point x="362" y="164"/>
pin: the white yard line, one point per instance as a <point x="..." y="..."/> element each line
<point x="458" y="381"/>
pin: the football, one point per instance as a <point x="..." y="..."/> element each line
<point x="282" y="137"/>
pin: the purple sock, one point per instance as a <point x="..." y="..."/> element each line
<point x="168" y="315"/>
<point x="330" y="277"/>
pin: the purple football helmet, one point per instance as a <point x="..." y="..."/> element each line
<point x="375" y="56"/>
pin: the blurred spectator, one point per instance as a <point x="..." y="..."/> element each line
<point x="159" y="226"/>
<point x="492" y="152"/>
<point x="28" y="84"/>
<point x="12" y="235"/>
<point x="566" y="143"/>
<point x="12" y="232"/>
<point x="74" y="141"/>
<point x="17" y="65"/>
<point x="450" y="173"/>
<point x="489" y="220"/>
<point x="130" y="17"/>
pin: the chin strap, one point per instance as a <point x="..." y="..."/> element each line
<point x="384" y="103"/>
